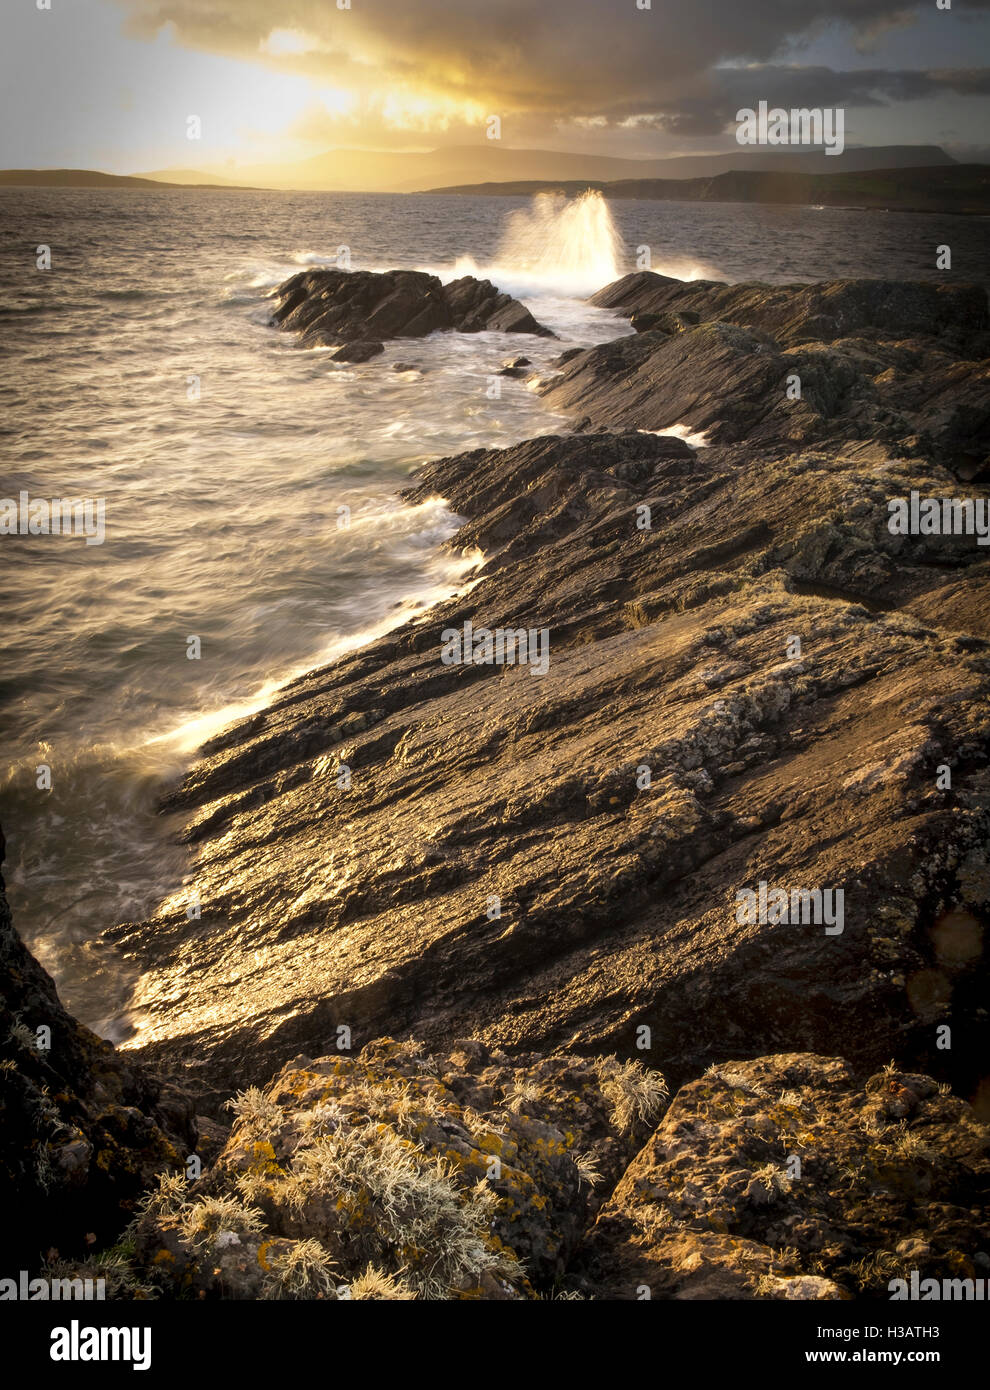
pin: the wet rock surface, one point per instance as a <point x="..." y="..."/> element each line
<point x="750" y="680"/>
<point x="362" y="308"/>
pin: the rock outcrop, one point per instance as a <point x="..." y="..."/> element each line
<point x="85" y="1130"/>
<point x="788" y="1178"/>
<point x="765" y="685"/>
<point x="362" y="308"/>
<point x="402" y="1174"/>
<point x="468" y="1174"/>
<point x="749" y="679"/>
<point x="823" y="311"/>
<point x="792" y="367"/>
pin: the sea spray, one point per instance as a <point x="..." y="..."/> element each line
<point x="565" y="242"/>
<point x="570" y="247"/>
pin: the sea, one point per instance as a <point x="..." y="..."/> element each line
<point x="251" y="488"/>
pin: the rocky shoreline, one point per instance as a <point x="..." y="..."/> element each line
<point x="748" y="681"/>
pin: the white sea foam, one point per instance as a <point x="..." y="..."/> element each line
<point x="697" y="439"/>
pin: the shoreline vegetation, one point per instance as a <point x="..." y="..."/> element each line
<point x="468" y="1011"/>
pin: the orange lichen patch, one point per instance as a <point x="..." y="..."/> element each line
<point x="262" y="1158"/>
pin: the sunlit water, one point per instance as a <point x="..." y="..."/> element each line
<point x="223" y="512"/>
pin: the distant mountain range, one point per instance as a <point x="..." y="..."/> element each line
<point x="389" y="172"/>
<point x="958" y="188"/>
<point x="471" y="166"/>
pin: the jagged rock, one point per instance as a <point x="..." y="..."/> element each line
<point x="901" y="364"/>
<point x="84" y="1129"/>
<point x="750" y="681"/>
<point x="477" y="306"/>
<point x="821" y="312"/>
<point x="361" y="306"/>
<point x="787" y="1177"/>
<point x="664" y="323"/>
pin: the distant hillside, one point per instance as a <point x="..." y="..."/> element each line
<point x="487" y="166"/>
<point x="384" y="171"/>
<point x="89" y="178"/>
<point x="191" y="177"/>
<point x="958" y="188"/>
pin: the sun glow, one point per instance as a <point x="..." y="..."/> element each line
<point x="426" y="111"/>
<point x="287" y="41"/>
<point x="336" y="100"/>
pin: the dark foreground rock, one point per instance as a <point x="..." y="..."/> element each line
<point x="401" y="1174"/>
<point x="84" y="1129"/>
<point x="362" y="307"/>
<point x="467" y="1174"/>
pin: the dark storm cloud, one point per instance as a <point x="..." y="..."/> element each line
<point x="714" y="108"/>
<point x="561" y="57"/>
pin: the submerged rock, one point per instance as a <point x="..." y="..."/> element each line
<point x="362" y="306"/>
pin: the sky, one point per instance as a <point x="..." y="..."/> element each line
<point x="111" y="84"/>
